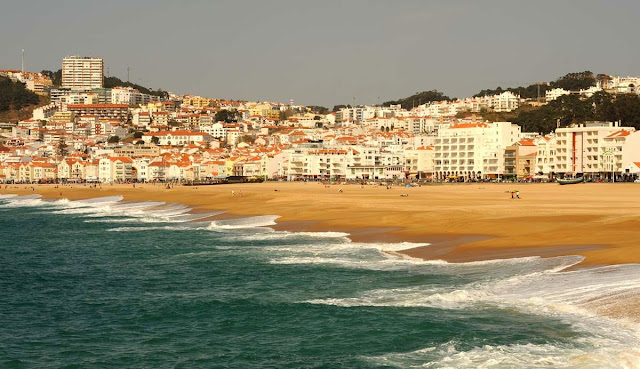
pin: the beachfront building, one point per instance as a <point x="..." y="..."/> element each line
<point x="545" y="156"/>
<point x="33" y="172"/>
<point x="631" y="155"/>
<point x="590" y="149"/>
<point x="419" y="161"/>
<point x="473" y="150"/>
<point x="71" y="169"/>
<point x="115" y="169"/>
<point x="520" y="160"/>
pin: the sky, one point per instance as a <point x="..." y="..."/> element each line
<point x="326" y="52"/>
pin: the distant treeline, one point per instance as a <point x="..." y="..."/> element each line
<point x="419" y="98"/>
<point x="570" y="81"/>
<point x="15" y="96"/>
<point x="569" y="109"/>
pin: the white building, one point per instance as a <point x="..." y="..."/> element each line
<point x="82" y="72"/>
<point x="473" y="150"/>
<point x="177" y="138"/>
<point x="631" y="155"/>
<point x="545" y="156"/>
<point x="504" y="102"/>
<point x="555" y="93"/>
<point x="588" y="148"/>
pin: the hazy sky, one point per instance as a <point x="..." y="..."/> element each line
<point x="326" y="52"/>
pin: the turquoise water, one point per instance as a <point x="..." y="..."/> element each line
<point x="109" y="284"/>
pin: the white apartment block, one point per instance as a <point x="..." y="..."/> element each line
<point x="82" y="72"/>
<point x="130" y="96"/>
<point x="504" y="102"/>
<point x="555" y="93"/>
<point x="583" y="148"/>
<point x="631" y="154"/>
<point x="473" y="150"/>
<point x="545" y="156"/>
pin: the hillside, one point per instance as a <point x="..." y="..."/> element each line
<point x="570" y="81"/>
<point x="16" y="102"/>
<point x="565" y="110"/>
<point x="109" y="82"/>
<point x="418" y="98"/>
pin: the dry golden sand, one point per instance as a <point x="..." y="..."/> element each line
<point x="463" y="222"/>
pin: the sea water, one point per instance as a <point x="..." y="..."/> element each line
<point x="105" y="283"/>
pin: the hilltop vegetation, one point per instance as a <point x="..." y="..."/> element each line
<point x="570" y="81"/>
<point x="109" y="82"/>
<point x="16" y="102"/>
<point x="14" y="96"/>
<point x="569" y="109"/>
<point x="419" y="98"/>
<point x="564" y="110"/>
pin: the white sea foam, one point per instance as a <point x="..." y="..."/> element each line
<point x="279" y="235"/>
<point x="595" y="352"/>
<point x="246" y="222"/>
<point x="540" y="291"/>
<point x="152" y="228"/>
<point x="538" y="286"/>
<point x="22" y="201"/>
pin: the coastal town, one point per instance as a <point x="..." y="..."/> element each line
<point x="88" y="133"/>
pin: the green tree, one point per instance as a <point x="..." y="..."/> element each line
<point x="62" y="150"/>
<point x="14" y="95"/>
<point x="247" y="139"/>
<point x="286" y="114"/>
<point x="155" y="140"/>
<point x="228" y="116"/>
<point x="113" y="139"/>
<point x="318" y="109"/>
<point x="137" y="134"/>
<point x="339" y="107"/>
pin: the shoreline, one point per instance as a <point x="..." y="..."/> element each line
<point x="462" y="243"/>
<point x="469" y="222"/>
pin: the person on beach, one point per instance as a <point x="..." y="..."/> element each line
<point x="240" y="193"/>
<point x="233" y="192"/>
<point x="517" y="194"/>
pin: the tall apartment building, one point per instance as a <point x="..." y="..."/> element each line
<point x="473" y="150"/>
<point x="584" y="148"/>
<point x="81" y="73"/>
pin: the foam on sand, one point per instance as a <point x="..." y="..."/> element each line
<point x="246" y="222"/>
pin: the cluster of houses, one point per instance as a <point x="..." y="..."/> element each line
<point x="122" y="137"/>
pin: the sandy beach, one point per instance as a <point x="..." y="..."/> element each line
<point x="462" y="222"/>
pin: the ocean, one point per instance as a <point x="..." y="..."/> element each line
<point x="105" y="283"/>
